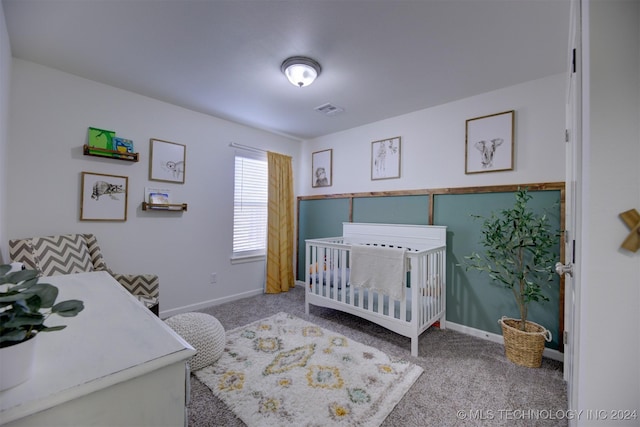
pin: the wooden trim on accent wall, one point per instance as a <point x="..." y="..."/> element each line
<point x="435" y="191"/>
<point x="431" y="192"/>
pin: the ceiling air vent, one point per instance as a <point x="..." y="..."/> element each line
<point x="329" y="109"/>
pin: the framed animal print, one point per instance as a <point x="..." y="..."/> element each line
<point x="489" y="143"/>
<point x="167" y="161"/>
<point x="104" y="197"/>
<point x="385" y="158"/>
<point x="321" y="168"/>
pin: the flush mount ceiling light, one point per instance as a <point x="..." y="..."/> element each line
<point x="300" y="70"/>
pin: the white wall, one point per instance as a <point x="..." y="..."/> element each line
<point x="609" y="340"/>
<point x="49" y="116"/>
<point x="5" y="74"/>
<point x="433" y="143"/>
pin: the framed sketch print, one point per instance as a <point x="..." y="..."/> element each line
<point x="322" y="168"/>
<point x="104" y="197"/>
<point x="385" y="158"/>
<point x="167" y="161"/>
<point x="489" y="143"/>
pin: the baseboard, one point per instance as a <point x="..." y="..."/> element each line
<point x="164" y="314"/>
<point x="490" y="336"/>
<point x="210" y="303"/>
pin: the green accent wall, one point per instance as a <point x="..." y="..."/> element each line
<point x="319" y="218"/>
<point x="472" y="300"/>
<point x="392" y="209"/>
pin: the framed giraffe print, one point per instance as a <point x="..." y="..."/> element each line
<point x="103" y="197"/>
<point x="385" y="158"/>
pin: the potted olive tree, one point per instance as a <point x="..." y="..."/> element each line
<point x="519" y="255"/>
<point x="25" y="304"/>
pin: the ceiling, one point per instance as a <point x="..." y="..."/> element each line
<point x="379" y="59"/>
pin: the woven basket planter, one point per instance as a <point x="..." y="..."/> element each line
<point x="524" y="347"/>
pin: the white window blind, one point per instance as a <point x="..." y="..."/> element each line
<point x="250" y="205"/>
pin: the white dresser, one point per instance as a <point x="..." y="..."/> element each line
<point x="116" y="364"/>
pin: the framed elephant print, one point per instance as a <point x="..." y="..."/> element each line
<point x="489" y="143"/>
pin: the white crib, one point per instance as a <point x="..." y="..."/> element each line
<point x="328" y="268"/>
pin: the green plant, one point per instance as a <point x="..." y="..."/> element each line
<point x="25" y="304"/>
<point x="519" y="252"/>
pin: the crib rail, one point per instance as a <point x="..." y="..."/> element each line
<point x="328" y="264"/>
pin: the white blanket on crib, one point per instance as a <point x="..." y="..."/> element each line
<point x="378" y="268"/>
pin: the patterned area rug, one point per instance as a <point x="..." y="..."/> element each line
<point x="283" y="370"/>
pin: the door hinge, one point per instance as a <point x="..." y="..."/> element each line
<point x="573" y="59"/>
<point x="566" y="135"/>
<point x="565" y="338"/>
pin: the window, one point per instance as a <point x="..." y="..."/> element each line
<point x="250" y="205"/>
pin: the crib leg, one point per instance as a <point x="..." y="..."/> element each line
<point x="306" y="308"/>
<point x="414" y="346"/>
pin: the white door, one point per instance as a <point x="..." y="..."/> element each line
<point x="573" y="144"/>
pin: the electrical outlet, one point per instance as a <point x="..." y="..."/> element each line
<point x="214" y="278"/>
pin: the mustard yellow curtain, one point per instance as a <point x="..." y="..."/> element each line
<point x="280" y="225"/>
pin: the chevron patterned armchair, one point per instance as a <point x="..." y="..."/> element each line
<point x="79" y="253"/>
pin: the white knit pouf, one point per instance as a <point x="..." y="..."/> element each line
<point x="204" y="332"/>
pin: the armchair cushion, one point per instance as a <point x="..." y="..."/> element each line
<point x="66" y="254"/>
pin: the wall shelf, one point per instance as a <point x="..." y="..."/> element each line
<point x="109" y="154"/>
<point x="182" y="207"/>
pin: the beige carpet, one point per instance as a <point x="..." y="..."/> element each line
<point x="283" y="370"/>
